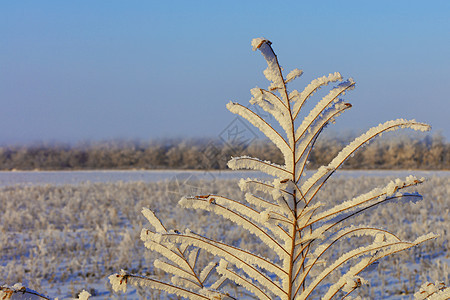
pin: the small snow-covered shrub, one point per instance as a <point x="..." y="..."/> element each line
<point x="300" y="233"/>
<point x="18" y="291"/>
<point x="432" y="291"/>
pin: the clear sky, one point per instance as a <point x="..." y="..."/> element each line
<point x="98" y="70"/>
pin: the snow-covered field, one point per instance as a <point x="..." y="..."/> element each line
<point x="61" y="232"/>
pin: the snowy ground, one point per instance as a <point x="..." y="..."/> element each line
<point x="62" y="232"/>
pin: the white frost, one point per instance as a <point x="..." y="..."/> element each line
<point x="256" y="43"/>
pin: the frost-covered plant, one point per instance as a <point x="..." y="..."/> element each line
<point x="6" y="292"/>
<point x="433" y="291"/>
<point x="21" y="292"/>
<point x="284" y="213"/>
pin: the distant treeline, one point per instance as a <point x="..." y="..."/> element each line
<point x="400" y="152"/>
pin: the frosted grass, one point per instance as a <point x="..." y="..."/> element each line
<point x="59" y="237"/>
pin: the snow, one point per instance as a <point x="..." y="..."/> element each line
<point x="239" y="279"/>
<point x="84" y="224"/>
<point x="262" y="125"/>
<point x="256" y="43"/>
<point x="432" y="291"/>
<point x="272" y="104"/>
<point x="315" y="113"/>
<point x="30" y="178"/>
<point x="300" y="98"/>
<point x="247" y="162"/>
<point x="293" y="75"/>
<point x="41" y="178"/>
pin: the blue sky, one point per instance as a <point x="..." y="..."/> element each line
<point x="98" y="70"/>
